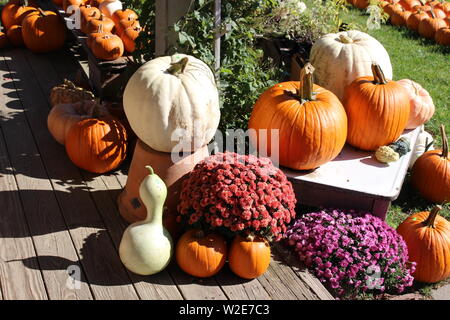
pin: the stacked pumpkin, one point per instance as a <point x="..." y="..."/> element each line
<point x="94" y="140"/>
<point x="27" y="24"/>
<point x="429" y="18"/>
<point x="111" y="30"/>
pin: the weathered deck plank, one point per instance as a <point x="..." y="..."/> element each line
<point x="309" y="280"/>
<point x="76" y="220"/>
<point x="108" y="279"/>
<point x="51" y="239"/>
<point x="195" y="288"/>
<point x="160" y="287"/>
<point x="18" y="281"/>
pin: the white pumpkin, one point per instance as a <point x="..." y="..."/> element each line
<point x="421" y="143"/>
<point x="108" y="7"/>
<point x="340" y="58"/>
<point x="173" y="100"/>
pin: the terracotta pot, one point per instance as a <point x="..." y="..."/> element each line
<point x="172" y="172"/>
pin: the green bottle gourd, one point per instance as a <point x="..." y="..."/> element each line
<point x="146" y="246"/>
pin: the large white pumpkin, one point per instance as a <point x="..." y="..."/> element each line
<point x="168" y="104"/>
<point x="340" y="58"/>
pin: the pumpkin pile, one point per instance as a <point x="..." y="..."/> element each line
<point x="27" y="24"/>
<point x="430" y="18"/>
<point x="111" y="29"/>
<point x="94" y="140"/>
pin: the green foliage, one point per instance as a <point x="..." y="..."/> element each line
<point x="146" y="40"/>
<point x="243" y="75"/>
<point x="303" y="21"/>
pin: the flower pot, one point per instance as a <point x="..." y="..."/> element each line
<point x="170" y="169"/>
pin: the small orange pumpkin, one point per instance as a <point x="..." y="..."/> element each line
<point x="93" y="24"/>
<point x="428" y="27"/>
<point x="43" y="31"/>
<point x="97" y="144"/>
<point x="14" y="34"/>
<point x="87" y="12"/>
<point x="3" y="40"/>
<point x="199" y="254"/>
<point x="249" y="257"/>
<point x="431" y="173"/>
<point x="129" y="36"/>
<point x="14" y="12"/>
<point x="126" y="14"/>
<point x="414" y="19"/>
<point x="422" y="106"/>
<point x="107" y="47"/>
<point x="399" y="17"/>
<point x="126" y="23"/>
<point x="442" y="36"/>
<point x="427" y="236"/>
<point x="377" y="109"/>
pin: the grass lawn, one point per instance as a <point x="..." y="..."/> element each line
<point x="427" y="63"/>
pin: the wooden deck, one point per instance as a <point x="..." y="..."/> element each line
<point x="54" y="216"/>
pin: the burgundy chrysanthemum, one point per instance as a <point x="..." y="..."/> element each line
<point x="238" y="193"/>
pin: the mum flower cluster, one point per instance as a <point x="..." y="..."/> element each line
<point x="238" y="194"/>
<point x="352" y="253"/>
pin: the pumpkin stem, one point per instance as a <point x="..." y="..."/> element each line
<point x="345" y="39"/>
<point x="433" y="15"/>
<point x="250" y="237"/>
<point x="444" y="143"/>
<point x="178" y="67"/>
<point x="306" y="85"/>
<point x="42" y="12"/>
<point x="199" y="234"/>
<point x="378" y="74"/>
<point x="149" y="168"/>
<point x="432" y="216"/>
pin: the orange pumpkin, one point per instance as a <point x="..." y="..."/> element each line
<point x="428" y="27"/>
<point x="87" y="12"/>
<point x="249" y="257"/>
<point x="431" y="173"/>
<point x="97" y="144"/>
<point x="93" y="24"/>
<point x="409" y="4"/>
<point x="199" y="254"/>
<point x="107" y="47"/>
<point x="377" y="110"/>
<point x="311" y="122"/>
<point x="390" y="8"/>
<point x="126" y="23"/>
<point x="3" y="40"/>
<point x="14" y="12"/>
<point x="399" y="17"/>
<point x="43" y="31"/>
<point x="129" y="36"/>
<point x="14" y="34"/>
<point x="421" y="103"/>
<point x="126" y="14"/>
<point x="94" y="35"/>
<point x="442" y="36"/>
<point x="427" y="236"/>
<point x="414" y="19"/>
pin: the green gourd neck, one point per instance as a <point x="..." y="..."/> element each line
<point x="154" y="206"/>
